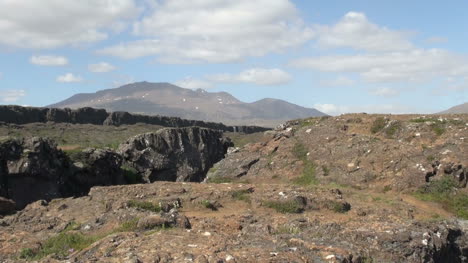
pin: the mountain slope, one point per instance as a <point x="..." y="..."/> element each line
<point x="170" y="100"/>
<point x="462" y="108"/>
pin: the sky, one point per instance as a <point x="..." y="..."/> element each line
<point x="337" y="56"/>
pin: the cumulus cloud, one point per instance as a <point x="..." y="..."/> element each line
<point x="334" y="109"/>
<point x="11" y="96"/>
<point x="385" y="92"/>
<point x="258" y="76"/>
<point x="49" y="60"/>
<point x="355" y="31"/>
<point x="190" y="83"/>
<point x="437" y="40"/>
<point x="340" y="81"/>
<point x="101" y="67"/>
<point x="69" y="78"/>
<point x="413" y="65"/>
<point x="215" y="31"/>
<point x="56" y="23"/>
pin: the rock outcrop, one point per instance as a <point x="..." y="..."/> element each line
<point x="24" y="115"/>
<point x="184" y="154"/>
<point x="35" y="169"/>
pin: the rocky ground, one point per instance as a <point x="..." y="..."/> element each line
<point x="353" y="188"/>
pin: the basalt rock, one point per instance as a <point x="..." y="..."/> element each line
<point x="95" y="167"/>
<point x="184" y="154"/>
<point x="6" y="206"/>
<point x="24" y="115"/>
<point x="35" y="169"/>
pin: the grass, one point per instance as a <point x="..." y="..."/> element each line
<point x="326" y="170"/>
<point x="308" y="173"/>
<point x="288" y="230"/>
<point x="378" y="125"/>
<point x="444" y="191"/>
<point x="339" y="207"/>
<point x="61" y="246"/>
<point x="285" y="207"/>
<point x="392" y="129"/>
<point x="219" y="180"/>
<point x="240" y="139"/>
<point x="70" y="241"/>
<point x="143" y="205"/>
<point x="241" y="195"/>
<point x="438" y="128"/>
<point x="208" y="205"/>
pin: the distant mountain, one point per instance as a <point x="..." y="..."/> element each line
<point x="462" y="108"/>
<point x="170" y="100"/>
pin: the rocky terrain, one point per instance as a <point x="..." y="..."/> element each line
<point x="169" y="100"/>
<point x="353" y="188"/>
<point x="24" y="115"/>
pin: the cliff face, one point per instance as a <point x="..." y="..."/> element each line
<point x="25" y="115"/>
<point x="34" y="169"/>
<point x="175" y="154"/>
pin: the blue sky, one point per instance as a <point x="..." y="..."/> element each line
<point x="337" y="56"/>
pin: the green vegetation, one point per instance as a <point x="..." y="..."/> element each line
<point x="241" y="139"/>
<point x="131" y="175"/>
<point x="61" y="245"/>
<point x="387" y="188"/>
<point x="148" y="206"/>
<point x="326" y="170"/>
<point x="438" y="128"/>
<point x="285" y="207"/>
<point x="378" y="125"/>
<point x="128" y="226"/>
<point x="339" y="207"/>
<point x="209" y="205"/>
<point x="444" y="191"/>
<point x="219" y="180"/>
<point x="288" y="230"/>
<point x="241" y="195"/>
<point x="308" y="173"/>
<point x="393" y="128"/>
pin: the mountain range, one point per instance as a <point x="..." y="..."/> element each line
<point x="170" y="100"/>
<point x="462" y="108"/>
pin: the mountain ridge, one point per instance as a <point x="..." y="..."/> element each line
<point x="170" y="100"/>
<point x="462" y="108"/>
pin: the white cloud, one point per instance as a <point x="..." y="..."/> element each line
<point x="334" y="109"/>
<point x="437" y="40"/>
<point x="10" y="96"/>
<point x="385" y="92"/>
<point x="214" y="31"/>
<point x="190" y="83"/>
<point x="56" y="23"/>
<point x="69" y="78"/>
<point x="49" y="60"/>
<point x="101" y="67"/>
<point x="413" y="65"/>
<point x="340" y="81"/>
<point x="354" y="30"/>
<point x="258" y="76"/>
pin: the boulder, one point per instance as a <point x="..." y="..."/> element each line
<point x="6" y="206"/>
<point x="175" y="154"/>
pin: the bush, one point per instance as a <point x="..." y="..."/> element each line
<point x="148" y="206"/>
<point x="378" y="125"/>
<point x="241" y="195"/>
<point x="443" y="191"/>
<point x="393" y="128"/>
<point x="285" y="207"/>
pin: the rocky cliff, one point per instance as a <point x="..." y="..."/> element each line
<point x="183" y="155"/>
<point x="34" y="169"/>
<point x="24" y="115"/>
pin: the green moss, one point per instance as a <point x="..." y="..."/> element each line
<point x="147" y="206"/>
<point x="285" y="207"/>
<point x="288" y="230"/>
<point x="378" y="125"/>
<point x="27" y="253"/>
<point x="392" y="129"/>
<point x="339" y="207"/>
<point x="128" y="226"/>
<point x="444" y="191"/>
<point x="307" y="177"/>
<point x="241" y="195"/>
<point x="219" y="180"/>
<point x="300" y="151"/>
